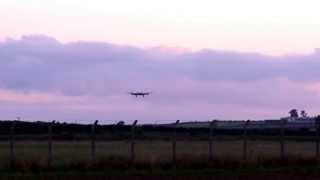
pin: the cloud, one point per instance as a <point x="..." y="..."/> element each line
<point x="38" y="69"/>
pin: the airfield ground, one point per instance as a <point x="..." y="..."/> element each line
<point x="72" y="160"/>
<point x="153" y="152"/>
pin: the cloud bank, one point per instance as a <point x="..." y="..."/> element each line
<point x="43" y="78"/>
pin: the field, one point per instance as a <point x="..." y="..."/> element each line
<point x="154" y="151"/>
<point x="73" y="156"/>
<point x="153" y="159"/>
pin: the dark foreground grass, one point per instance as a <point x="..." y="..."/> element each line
<point x="291" y="173"/>
<point x="120" y="168"/>
<point x="123" y="164"/>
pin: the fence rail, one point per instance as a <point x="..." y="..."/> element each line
<point x="212" y="141"/>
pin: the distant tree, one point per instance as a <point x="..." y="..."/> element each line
<point x="303" y="114"/>
<point x="293" y="113"/>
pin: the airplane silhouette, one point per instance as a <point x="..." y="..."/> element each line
<point x="136" y="94"/>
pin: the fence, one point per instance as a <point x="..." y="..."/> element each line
<point x="212" y="139"/>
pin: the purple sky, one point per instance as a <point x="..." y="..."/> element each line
<point x="266" y="26"/>
<point x="42" y="78"/>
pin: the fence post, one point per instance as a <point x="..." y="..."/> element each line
<point x="133" y="127"/>
<point x="212" y="127"/>
<point x="245" y="141"/>
<point x="50" y="143"/>
<point x="282" y="139"/>
<point x="317" y="126"/>
<point x="174" y="141"/>
<point x="12" y="151"/>
<point x="93" y="140"/>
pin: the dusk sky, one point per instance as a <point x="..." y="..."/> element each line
<point x="76" y="60"/>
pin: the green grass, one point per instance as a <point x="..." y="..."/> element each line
<point x="32" y="155"/>
<point x="154" y="150"/>
<point x="71" y="160"/>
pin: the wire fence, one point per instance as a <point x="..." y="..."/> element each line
<point x="212" y="142"/>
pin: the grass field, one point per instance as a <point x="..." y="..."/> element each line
<point x="153" y="151"/>
<point x="72" y="160"/>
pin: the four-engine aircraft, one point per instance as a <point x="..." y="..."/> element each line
<point x="136" y="94"/>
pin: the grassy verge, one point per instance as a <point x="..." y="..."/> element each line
<point x="118" y="164"/>
<point x="292" y="173"/>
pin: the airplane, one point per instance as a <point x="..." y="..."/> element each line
<point x="136" y="94"/>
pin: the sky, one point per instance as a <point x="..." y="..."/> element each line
<point x="76" y="60"/>
<point x="266" y="26"/>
